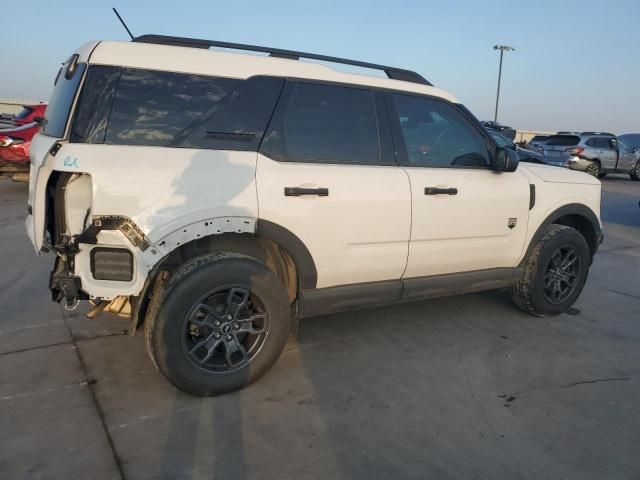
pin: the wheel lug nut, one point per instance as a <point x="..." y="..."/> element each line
<point x="236" y="326"/>
<point x="229" y="338"/>
<point x="229" y="317"/>
<point x="216" y="335"/>
<point x="217" y="323"/>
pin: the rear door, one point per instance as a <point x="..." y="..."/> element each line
<point x="326" y="173"/>
<point x="466" y="216"/>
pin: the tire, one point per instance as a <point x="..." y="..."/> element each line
<point x="533" y="292"/>
<point x="635" y="172"/>
<point x="602" y="175"/>
<point x="217" y="324"/>
<point x="594" y="169"/>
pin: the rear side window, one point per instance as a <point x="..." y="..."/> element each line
<point x="539" y="138"/>
<point x="563" y="140"/>
<point x="437" y="135"/>
<point x="324" y="123"/>
<point x="123" y="106"/>
<point x="61" y="100"/>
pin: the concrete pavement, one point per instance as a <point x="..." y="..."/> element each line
<point x="462" y="387"/>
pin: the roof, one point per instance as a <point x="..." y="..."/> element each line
<point x="233" y="65"/>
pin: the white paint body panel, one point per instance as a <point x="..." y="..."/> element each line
<point x="358" y="233"/>
<point x="571" y="187"/>
<point x="361" y="232"/>
<point x="467" y="231"/>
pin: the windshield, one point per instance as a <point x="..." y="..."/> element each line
<point x="64" y="91"/>
<point x="539" y="138"/>
<point x="563" y="140"/>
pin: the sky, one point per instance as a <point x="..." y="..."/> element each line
<point x="576" y="65"/>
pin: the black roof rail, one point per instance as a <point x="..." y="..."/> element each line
<point x="391" y="72"/>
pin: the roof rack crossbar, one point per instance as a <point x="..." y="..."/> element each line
<point x="391" y="72"/>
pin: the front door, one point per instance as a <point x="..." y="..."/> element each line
<point x="466" y="216"/>
<point x="326" y="173"/>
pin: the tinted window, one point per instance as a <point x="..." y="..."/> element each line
<point x="64" y="91"/>
<point x="539" y="138"/>
<point x="593" y="142"/>
<point x="438" y="135"/>
<point x="324" y="123"/>
<point x="602" y="143"/>
<point x="145" y="107"/>
<point x="94" y="104"/>
<point x="563" y="140"/>
<point x="152" y="107"/>
<point x="501" y="141"/>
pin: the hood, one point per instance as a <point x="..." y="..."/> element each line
<point x="548" y="173"/>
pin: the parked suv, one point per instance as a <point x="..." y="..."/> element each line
<point x="536" y="142"/>
<point x="216" y="198"/>
<point x="593" y="152"/>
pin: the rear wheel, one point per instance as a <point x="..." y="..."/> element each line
<point x="594" y="169"/>
<point x="218" y="324"/>
<point x="635" y="171"/>
<point x="555" y="272"/>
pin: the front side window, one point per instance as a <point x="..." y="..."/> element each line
<point x="126" y="106"/>
<point x="437" y="135"/>
<point x="324" y="123"/>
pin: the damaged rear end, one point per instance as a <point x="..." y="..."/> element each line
<point x="60" y="209"/>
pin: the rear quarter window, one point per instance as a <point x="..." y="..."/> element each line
<point x="126" y="106"/>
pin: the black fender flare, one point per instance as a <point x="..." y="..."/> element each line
<point x="569" y="209"/>
<point x="305" y="266"/>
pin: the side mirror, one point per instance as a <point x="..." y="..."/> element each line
<point x="38" y="120"/>
<point x="505" y="160"/>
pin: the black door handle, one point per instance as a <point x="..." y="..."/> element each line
<point x="440" y="191"/>
<point x="298" y="191"/>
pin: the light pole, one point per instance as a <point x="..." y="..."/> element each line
<point x="502" y="49"/>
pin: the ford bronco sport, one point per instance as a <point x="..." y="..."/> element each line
<point x="217" y="197"/>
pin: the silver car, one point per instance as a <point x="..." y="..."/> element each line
<point x="593" y="152"/>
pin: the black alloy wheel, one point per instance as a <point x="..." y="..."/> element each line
<point x="224" y="330"/>
<point x="561" y="274"/>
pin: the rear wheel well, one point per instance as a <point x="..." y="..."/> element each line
<point x="582" y="225"/>
<point x="265" y="250"/>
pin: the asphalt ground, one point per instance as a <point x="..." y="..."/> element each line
<point x="460" y="387"/>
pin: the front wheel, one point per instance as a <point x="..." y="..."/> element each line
<point x="218" y="324"/>
<point x="555" y="272"/>
<point x="635" y="172"/>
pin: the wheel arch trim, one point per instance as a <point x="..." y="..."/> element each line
<point x="571" y="209"/>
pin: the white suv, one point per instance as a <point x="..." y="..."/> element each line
<point x="217" y="197"/>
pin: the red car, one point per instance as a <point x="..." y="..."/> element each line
<point x="29" y="114"/>
<point x="14" y="151"/>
